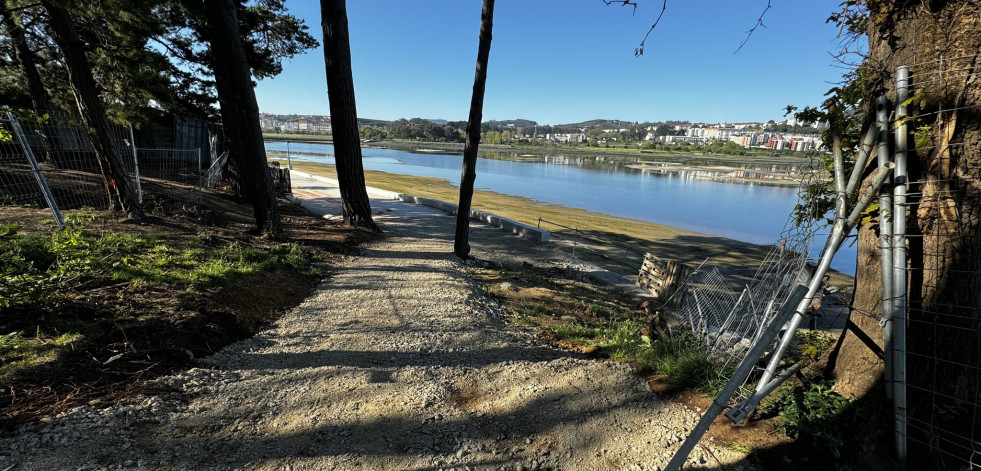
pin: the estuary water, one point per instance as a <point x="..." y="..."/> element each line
<point x="742" y="211"/>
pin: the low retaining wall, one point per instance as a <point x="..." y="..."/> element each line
<point x="514" y="227"/>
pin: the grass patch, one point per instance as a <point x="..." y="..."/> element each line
<point x="596" y="319"/>
<point x="44" y="310"/>
<point x="683" y="361"/>
<point x="19" y="351"/>
<point x="41" y="269"/>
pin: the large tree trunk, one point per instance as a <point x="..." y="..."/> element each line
<point x="461" y="243"/>
<point x="355" y="207"/>
<point x="40" y="99"/>
<point x="944" y="228"/>
<point x="93" y="111"/>
<point x="240" y="114"/>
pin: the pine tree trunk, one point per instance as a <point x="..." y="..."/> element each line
<point x="92" y="111"/>
<point x="240" y="114"/>
<point x="943" y="227"/>
<point x="27" y="60"/>
<point x="461" y="243"/>
<point x="355" y="206"/>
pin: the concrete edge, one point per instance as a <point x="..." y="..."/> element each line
<point x="514" y="227"/>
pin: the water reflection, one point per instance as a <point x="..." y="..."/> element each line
<point x="673" y="192"/>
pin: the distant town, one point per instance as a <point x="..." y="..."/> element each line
<point x="788" y="135"/>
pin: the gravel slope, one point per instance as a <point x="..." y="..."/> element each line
<point x="396" y="362"/>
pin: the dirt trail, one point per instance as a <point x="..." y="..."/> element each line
<point x="395" y="363"/>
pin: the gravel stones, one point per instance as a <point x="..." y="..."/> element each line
<point x="396" y="362"/>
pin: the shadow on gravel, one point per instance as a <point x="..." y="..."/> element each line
<point x="503" y="435"/>
<point x="389" y="359"/>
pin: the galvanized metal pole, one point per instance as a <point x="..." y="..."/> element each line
<point x="200" y="184"/>
<point x="136" y="166"/>
<point x="736" y="380"/>
<point x="575" y="243"/>
<point x="863" y="155"/>
<point x="41" y="181"/>
<point x="843" y="225"/>
<point x="885" y="240"/>
<point x="899" y="264"/>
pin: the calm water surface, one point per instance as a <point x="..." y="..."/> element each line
<point x="746" y="212"/>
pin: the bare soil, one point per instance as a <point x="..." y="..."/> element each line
<point x="181" y="327"/>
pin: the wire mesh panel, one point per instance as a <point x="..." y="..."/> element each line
<point x="64" y="151"/>
<point x="165" y="179"/>
<point x="943" y="355"/>
<point x="18" y="184"/>
<point x="168" y="178"/>
<point x="730" y="321"/>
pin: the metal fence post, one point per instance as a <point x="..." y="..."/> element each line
<point x="200" y="178"/>
<point x="575" y="243"/>
<point x="885" y="242"/>
<point x="742" y="372"/>
<point x="136" y="166"/>
<point x="899" y="264"/>
<point x="41" y="181"/>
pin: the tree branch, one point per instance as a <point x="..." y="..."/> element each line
<point x="622" y="3"/>
<point x="640" y="49"/>
<point x="759" y="22"/>
<point x="664" y="6"/>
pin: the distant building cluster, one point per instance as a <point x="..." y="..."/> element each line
<point x="295" y="124"/>
<point x="567" y="137"/>
<point x="771" y="135"/>
<point x="747" y="135"/>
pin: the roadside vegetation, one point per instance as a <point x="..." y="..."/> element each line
<point x="571" y="311"/>
<point x="91" y="311"/>
<point x="574" y="312"/>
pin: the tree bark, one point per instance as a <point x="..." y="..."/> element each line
<point x="944" y="226"/>
<point x="240" y="114"/>
<point x="355" y="206"/>
<point x="461" y="243"/>
<point x="93" y="111"/>
<point x="40" y="100"/>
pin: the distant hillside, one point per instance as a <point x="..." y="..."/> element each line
<point x="516" y="123"/>
<point x="379" y="123"/>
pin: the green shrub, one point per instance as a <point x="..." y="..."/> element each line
<point x="813" y="413"/>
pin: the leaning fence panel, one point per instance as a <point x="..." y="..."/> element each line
<point x="17" y="182"/>
<point x="64" y="155"/>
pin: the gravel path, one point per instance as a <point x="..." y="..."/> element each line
<point x="395" y="363"/>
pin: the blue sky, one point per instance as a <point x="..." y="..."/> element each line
<point x="563" y="61"/>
